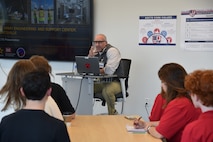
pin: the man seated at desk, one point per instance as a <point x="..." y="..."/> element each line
<point x="109" y="59"/>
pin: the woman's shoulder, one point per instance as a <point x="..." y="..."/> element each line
<point x="53" y="84"/>
<point x="50" y="100"/>
<point x="159" y="97"/>
<point x="180" y="102"/>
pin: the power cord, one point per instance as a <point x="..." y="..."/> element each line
<point x="146" y="108"/>
<point x="79" y="96"/>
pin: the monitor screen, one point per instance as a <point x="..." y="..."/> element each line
<point x="56" y="29"/>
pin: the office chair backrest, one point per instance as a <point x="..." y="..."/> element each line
<point x="123" y="74"/>
<point x="123" y="68"/>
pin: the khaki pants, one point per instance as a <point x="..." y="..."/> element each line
<point x="108" y="91"/>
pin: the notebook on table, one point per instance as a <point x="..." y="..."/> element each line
<point x="87" y="65"/>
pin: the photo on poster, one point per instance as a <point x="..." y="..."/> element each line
<point x="42" y="12"/>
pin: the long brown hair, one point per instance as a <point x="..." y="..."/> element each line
<point x="173" y="75"/>
<point x="13" y="84"/>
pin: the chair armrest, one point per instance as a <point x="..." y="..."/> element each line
<point x="123" y="88"/>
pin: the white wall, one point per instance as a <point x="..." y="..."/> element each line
<point x="118" y="19"/>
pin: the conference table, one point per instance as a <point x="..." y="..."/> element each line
<point x="105" y="128"/>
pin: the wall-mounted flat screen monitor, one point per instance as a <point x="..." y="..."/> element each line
<point x="56" y="29"/>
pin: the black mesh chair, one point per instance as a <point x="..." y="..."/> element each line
<point x="123" y="74"/>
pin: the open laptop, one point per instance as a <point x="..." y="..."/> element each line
<point x="87" y="65"/>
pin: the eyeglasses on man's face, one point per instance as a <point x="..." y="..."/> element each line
<point x="98" y="42"/>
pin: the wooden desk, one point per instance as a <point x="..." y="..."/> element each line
<point x="104" y="128"/>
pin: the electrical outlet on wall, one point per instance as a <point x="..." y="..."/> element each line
<point x="147" y="102"/>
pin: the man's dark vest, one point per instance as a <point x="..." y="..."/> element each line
<point x="102" y="57"/>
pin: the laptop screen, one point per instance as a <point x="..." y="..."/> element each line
<point x="87" y="65"/>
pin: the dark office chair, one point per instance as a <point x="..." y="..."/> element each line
<point x="123" y="74"/>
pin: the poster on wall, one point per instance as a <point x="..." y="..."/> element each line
<point x="157" y="30"/>
<point x="197" y="30"/>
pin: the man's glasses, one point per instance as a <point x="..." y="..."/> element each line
<point x="98" y="42"/>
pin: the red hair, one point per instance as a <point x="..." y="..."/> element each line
<point x="200" y="83"/>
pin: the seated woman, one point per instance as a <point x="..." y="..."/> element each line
<point x="10" y="97"/>
<point x="179" y="109"/>
<point x="58" y="93"/>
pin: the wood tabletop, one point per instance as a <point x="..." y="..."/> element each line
<point x="104" y="128"/>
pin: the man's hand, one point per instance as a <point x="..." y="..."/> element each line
<point x="92" y="51"/>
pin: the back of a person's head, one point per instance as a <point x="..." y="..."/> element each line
<point x="200" y="82"/>
<point x="13" y="83"/>
<point x="35" y="84"/>
<point x="19" y="69"/>
<point x="41" y="63"/>
<point x="173" y="75"/>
